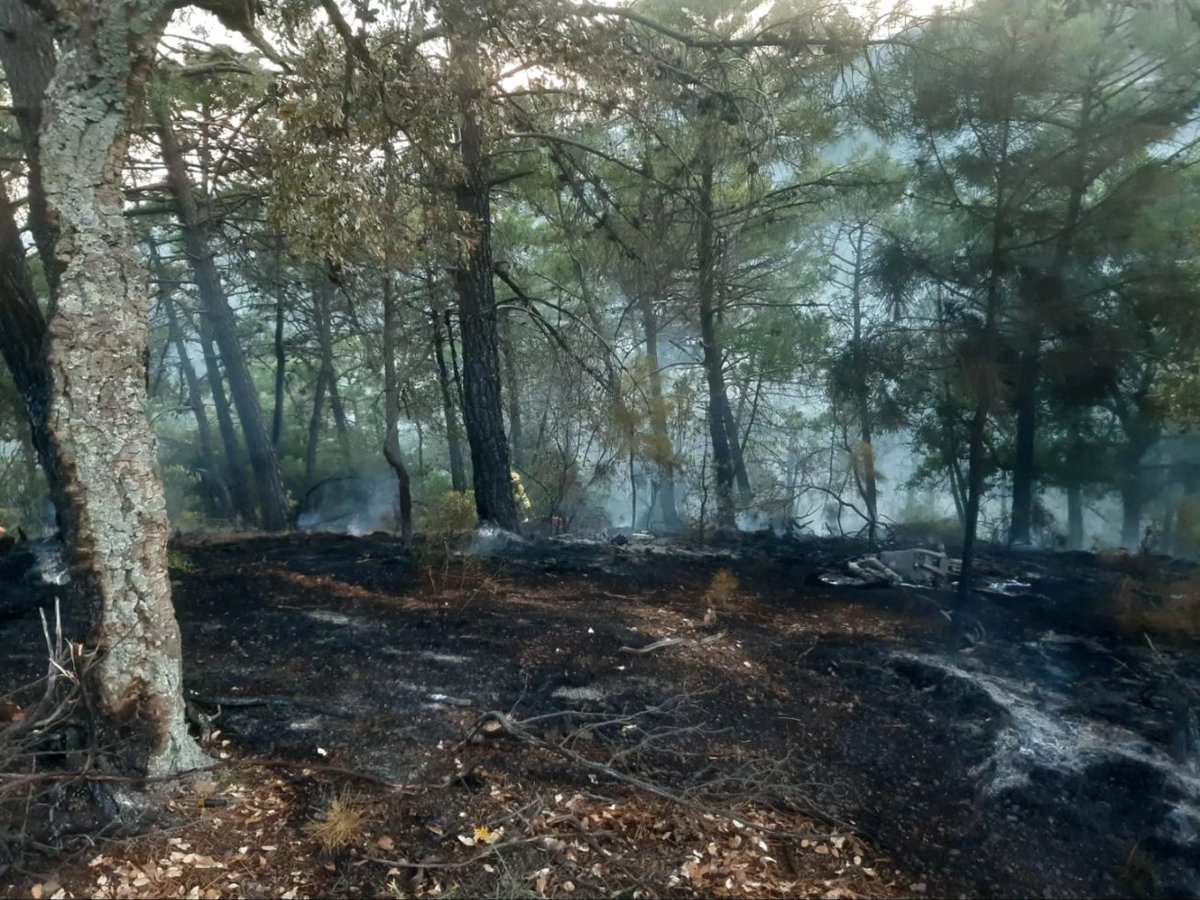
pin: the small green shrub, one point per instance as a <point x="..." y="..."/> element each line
<point x="449" y="514"/>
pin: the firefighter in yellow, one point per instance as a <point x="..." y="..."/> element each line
<point x="524" y="507"/>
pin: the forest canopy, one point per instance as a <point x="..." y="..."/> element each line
<point x="685" y="268"/>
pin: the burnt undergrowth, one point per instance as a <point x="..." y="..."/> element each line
<point x="1050" y="755"/>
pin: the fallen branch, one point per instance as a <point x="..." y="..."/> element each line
<point x="657" y="645"/>
<point x="515" y="730"/>
<point x="674" y="642"/>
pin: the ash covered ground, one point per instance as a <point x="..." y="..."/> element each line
<point x="1050" y="754"/>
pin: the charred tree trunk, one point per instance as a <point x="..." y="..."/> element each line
<point x="263" y="458"/>
<point x="713" y="361"/>
<point x="981" y="363"/>
<point x="458" y="469"/>
<point x="490" y="464"/>
<point x="116" y="517"/>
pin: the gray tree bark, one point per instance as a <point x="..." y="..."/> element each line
<point x="116" y="517"/>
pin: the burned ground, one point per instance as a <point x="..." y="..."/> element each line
<point x="1046" y="755"/>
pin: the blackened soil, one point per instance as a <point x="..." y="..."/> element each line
<point x="1041" y="758"/>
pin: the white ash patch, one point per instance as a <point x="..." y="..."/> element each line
<point x="333" y="618"/>
<point x="1041" y="734"/>
<point x="453" y="659"/>
<point x="583" y="692"/>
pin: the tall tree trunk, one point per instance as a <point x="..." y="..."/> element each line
<point x="220" y="503"/>
<point x="23" y="343"/>
<point x="983" y="381"/>
<point x="315" y="423"/>
<point x="324" y="323"/>
<point x="1133" y="498"/>
<point x="734" y="439"/>
<point x="1074" y="491"/>
<point x="264" y="461"/>
<point x="280" y="374"/>
<point x="1074" y="515"/>
<point x="27" y="54"/>
<point x="1020" y="525"/>
<point x="116" y="518"/>
<point x="1028" y="375"/>
<point x="664" y="450"/>
<point x="27" y="49"/>
<point x="235" y="465"/>
<point x="865" y="454"/>
<point x="713" y="361"/>
<point x="458" y="469"/>
<point x="490" y="464"/>
<point x="516" y="438"/>
<point x="391" y="397"/>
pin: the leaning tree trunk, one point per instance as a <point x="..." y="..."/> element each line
<point x="458" y="468"/>
<point x="116" y="518"/>
<point x="490" y="465"/>
<point x="235" y="467"/>
<point x="391" y="402"/>
<point x="264" y="460"/>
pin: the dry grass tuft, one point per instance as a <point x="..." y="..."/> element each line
<point x="344" y="824"/>
<point x="723" y="589"/>
<point x="1165" y="610"/>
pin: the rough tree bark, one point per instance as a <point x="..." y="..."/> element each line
<point x="491" y="467"/>
<point x="116" y="518"/>
<point x="273" y="504"/>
